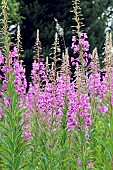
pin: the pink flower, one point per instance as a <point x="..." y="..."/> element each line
<point x="72" y="59"/>
<point x="74" y="38"/>
<point x="91" y="64"/>
<point x="1" y="113"/>
<point x="73" y="63"/>
<point x="14" y="53"/>
<point x="69" y="135"/>
<point x="89" y="56"/>
<point x="80" y="34"/>
<point x="74" y="140"/>
<point x="104" y="109"/>
<point x="7" y="101"/>
<point x="85" y="46"/>
<point x="73" y="44"/>
<point x="78" y="59"/>
<point x="76" y="48"/>
<point x="81" y="41"/>
<point x="79" y="160"/>
<point x="85" y="35"/>
<point x="90" y="164"/>
<point x="27" y="134"/>
<point x="1" y="58"/>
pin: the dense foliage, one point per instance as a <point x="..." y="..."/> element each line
<point x="13" y="10"/>
<point x="43" y="13"/>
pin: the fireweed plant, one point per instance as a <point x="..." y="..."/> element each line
<point x="60" y="123"/>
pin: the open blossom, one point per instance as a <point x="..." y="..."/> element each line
<point x="85" y="46"/>
<point x="7" y="101"/>
<point x="85" y="35"/>
<point x="69" y="135"/>
<point x="74" y="140"/>
<point x="1" y="112"/>
<point x="90" y="164"/>
<point x="74" y="38"/>
<point x="80" y="34"/>
<point x="72" y="59"/>
<point x="27" y="134"/>
<point x="81" y="44"/>
<point x="14" y="53"/>
<point x="76" y="48"/>
<point x="20" y="79"/>
<point x="78" y="59"/>
<point x="1" y="58"/>
<point x="104" y="109"/>
<point x="79" y="160"/>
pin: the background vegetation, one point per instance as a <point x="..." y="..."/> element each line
<point x="40" y="14"/>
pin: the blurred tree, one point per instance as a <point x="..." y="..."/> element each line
<point x="40" y="14"/>
<point x="96" y="17"/>
<point x="14" y="14"/>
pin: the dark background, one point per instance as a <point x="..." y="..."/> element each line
<point x="40" y="14"/>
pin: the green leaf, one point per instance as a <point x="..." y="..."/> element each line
<point x="6" y="158"/>
<point x="107" y="149"/>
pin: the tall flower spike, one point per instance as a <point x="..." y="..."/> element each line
<point x="60" y="32"/>
<point x="55" y="58"/>
<point x="47" y="66"/>
<point x="111" y="50"/>
<point x="78" y="80"/>
<point x="67" y="67"/>
<point x="59" y="28"/>
<point x="108" y="50"/>
<point x="38" y="46"/>
<point x="63" y="64"/>
<point x="77" y="13"/>
<point x="95" y="59"/>
<point x="5" y="32"/>
<point x="81" y="46"/>
<point x="19" y="43"/>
